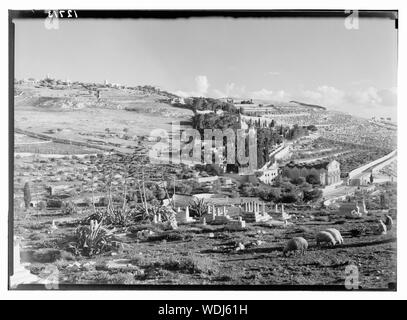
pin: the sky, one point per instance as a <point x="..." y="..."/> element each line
<point x="313" y="60"/>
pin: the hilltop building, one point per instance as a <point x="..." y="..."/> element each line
<point x="178" y="100"/>
<point x="269" y="172"/>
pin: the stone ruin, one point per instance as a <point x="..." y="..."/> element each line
<point x="216" y="215"/>
<point x="157" y="218"/>
<point x="183" y="216"/>
<point x="284" y="215"/>
<point x="363" y="209"/>
<point x="220" y="216"/>
<point x="251" y="211"/>
<point x="170" y="218"/>
<point x="239" y="224"/>
<point x="353" y="210"/>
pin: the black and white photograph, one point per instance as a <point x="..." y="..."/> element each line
<point x="203" y="149"/>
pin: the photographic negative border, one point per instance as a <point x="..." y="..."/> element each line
<point x="163" y="14"/>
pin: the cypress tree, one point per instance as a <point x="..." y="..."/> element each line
<point x="27" y="195"/>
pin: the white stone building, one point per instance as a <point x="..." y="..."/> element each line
<point x="269" y="173"/>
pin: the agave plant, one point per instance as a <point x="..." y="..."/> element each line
<point x="92" y="239"/>
<point x="199" y="207"/>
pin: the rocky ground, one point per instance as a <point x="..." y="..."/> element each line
<point x="197" y="254"/>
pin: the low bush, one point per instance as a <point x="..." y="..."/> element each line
<point x="170" y="236"/>
<point x="191" y="264"/>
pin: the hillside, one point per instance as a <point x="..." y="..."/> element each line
<point x="94" y="113"/>
<point x="312" y="106"/>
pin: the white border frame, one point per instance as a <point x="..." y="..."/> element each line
<point x="215" y="295"/>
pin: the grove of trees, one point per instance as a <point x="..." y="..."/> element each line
<point x="284" y="191"/>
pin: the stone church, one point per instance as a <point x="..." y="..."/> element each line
<point x="328" y="171"/>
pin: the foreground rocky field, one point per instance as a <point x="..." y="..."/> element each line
<point x="197" y="254"/>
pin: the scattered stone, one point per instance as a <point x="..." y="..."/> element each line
<point x="183" y="216"/>
<point x="53" y="227"/>
<point x="144" y="234"/>
<point x="236" y="224"/>
<point x="123" y="264"/>
<point x="46" y="255"/>
<point x="75" y="265"/>
<point x="88" y="265"/>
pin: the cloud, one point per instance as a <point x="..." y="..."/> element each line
<point x="365" y="97"/>
<point x="372" y="101"/>
<point x="370" y="97"/>
<point x="324" y="95"/>
<point x="202" y="84"/>
<point x="265" y="94"/>
<point x="388" y="96"/>
<point x="273" y="73"/>
<point x="239" y="91"/>
<point x="374" y="97"/>
<point x="201" y="88"/>
<point x="231" y="90"/>
<point x="358" y="100"/>
<point x="183" y="94"/>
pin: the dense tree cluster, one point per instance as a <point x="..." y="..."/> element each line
<point x="268" y="136"/>
<point x="215" y="121"/>
<point x="295" y="132"/>
<point x="201" y="104"/>
<point x="266" y="140"/>
<point x="210" y="169"/>
<point x="313" y="179"/>
<point x="249" y="101"/>
<point x="286" y="132"/>
<point x="182" y="187"/>
<point x="284" y="191"/>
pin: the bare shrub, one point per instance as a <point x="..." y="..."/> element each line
<point x="191" y="264"/>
